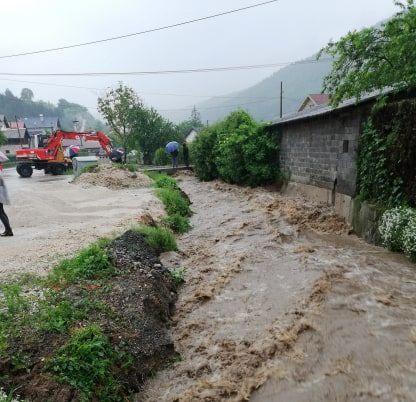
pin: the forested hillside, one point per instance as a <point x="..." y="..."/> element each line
<point x="299" y="79"/>
<point x="25" y="106"/>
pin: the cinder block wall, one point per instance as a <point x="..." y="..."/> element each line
<point x="321" y="150"/>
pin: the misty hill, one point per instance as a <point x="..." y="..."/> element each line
<point x="24" y="106"/>
<point x="299" y="79"/>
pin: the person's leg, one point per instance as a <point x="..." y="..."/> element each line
<point x="5" y="220"/>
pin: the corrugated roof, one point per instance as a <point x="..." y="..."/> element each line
<point x="326" y="109"/>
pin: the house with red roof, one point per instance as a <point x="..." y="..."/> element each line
<point x="314" y="100"/>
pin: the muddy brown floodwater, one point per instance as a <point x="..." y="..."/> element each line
<point x="281" y="304"/>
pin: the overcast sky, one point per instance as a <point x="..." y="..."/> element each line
<point x="284" y="31"/>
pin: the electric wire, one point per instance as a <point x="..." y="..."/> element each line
<point x="144" y="32"/>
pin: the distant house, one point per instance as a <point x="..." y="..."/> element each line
<point x="191" y="136"/>
<point x="16" y="124"/>
<point x="41" y="125"/>
<point x="314" y="100"/>
<point x="15" y="138"/>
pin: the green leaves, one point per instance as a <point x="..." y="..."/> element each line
<point x="87" y="362"/>
<point x="374" y="58"/>
<point x="237" y="150"/>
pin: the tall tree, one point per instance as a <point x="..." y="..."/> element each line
<point x="193" y="122"/>
<point x="119" y="107"/>
<point x="152" y="131"/>
<point x="26" y="95"/>
<point x="374" y="58"/>
<point x="196" y="117"/>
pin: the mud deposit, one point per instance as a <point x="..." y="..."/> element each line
<point x="113" y="177"/>
<point x="275" y="311"/>
<point x="134" y="313"/>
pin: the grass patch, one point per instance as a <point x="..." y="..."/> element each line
<point x="87" y="362"/>
<point x="91" y="263"/>
<point x="165" y="181"/>
<point x="159" y="238"/>
<point x="177" y="223"/>
<point x="173" y="201"/>
<point x="178" y="275"/>
<point x="131" y="167"/>
<point x="90" y="169"/>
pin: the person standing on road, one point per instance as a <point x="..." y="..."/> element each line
<point x="185" y="150"/>
<point x="4" y="200"/>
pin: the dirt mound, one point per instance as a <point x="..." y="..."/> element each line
<point x="134" y="314"/>
<point x="113" y="177"/>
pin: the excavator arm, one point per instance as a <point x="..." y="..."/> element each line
<point x="55" y="142"/>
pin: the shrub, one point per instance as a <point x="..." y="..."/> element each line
<point x="392" y="225"/>
<point x="165" y="181"/>
<point x="159" y="238"/>
<point x="86" y="362"/>
<point x="246" y="152"/>
<point x="237" y="150"/>
<point x="161" y="158"/>
<point x="174" y="202"/>
<point x="202" y="152"/>
<point x="178" y="275"/>
<point x="409" y="238"/>
<point x="90" y="263"/>
<point x="178" y="223"/>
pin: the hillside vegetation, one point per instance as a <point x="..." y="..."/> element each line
<point x="25" y="106"/>
<point x="299" y="79"/>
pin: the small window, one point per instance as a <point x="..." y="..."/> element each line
<point x="345" y="146"/>
<point x="7" y="151"/>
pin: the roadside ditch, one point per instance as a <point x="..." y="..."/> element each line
<point x="98" y="324"/>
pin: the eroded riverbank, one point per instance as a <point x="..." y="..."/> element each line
<point x="269" y="301"/>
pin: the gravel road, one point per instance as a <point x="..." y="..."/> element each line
<point x="53" y="218"/>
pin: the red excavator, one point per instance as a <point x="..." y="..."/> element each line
<point x="51" y="158"/>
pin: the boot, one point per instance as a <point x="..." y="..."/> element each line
<point x="7" y="233"/>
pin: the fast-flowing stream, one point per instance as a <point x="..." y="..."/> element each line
<point x="281" y="304"/>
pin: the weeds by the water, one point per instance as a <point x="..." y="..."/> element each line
<point x="173" y="201"/>
<point x="165" y="181"/>
<point x="178" y="275"/>
<point x="90" y="263"/>
<point x="178" y="223"/>
<point x="87" y="362"/>
<point x="159" y="238"/>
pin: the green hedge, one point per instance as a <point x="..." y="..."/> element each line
<point x="237" y="150"/>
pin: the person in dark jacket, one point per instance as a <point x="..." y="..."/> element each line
<point x="4" y="199"/>
<point x="185" y="150"/>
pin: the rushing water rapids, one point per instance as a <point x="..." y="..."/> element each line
<point x="281" y="304"/>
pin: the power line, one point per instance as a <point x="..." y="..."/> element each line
<point x="237" y="10"/>
<point x="162" y="72"/>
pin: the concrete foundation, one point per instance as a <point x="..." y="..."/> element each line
<point x="343" y="204"/>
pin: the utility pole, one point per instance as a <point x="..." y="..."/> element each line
<point x="18" y="130"/>
<point x="281" y="99"/>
